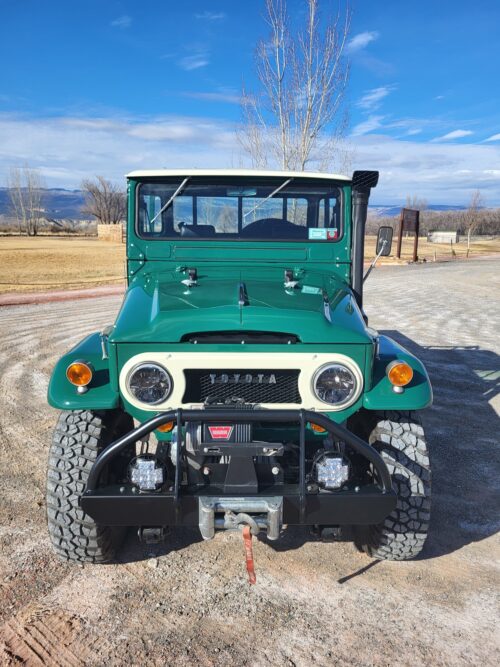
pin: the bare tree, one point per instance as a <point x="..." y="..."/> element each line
<point x="104" y="200"/>
<point x="472" y="216"/>
<point x="416" y="203"/>
<point x="26" y="193"/>
<point x="298" y="117"/>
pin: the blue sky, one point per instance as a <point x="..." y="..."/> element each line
<point x="91" y="87"/>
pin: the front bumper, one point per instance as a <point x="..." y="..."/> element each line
<point x="121" y="506"/>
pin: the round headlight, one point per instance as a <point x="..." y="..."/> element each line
<point x="149" y="383"/>
<point x="335" y="384"/>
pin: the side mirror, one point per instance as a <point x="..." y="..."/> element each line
<point x="384" y="241"/>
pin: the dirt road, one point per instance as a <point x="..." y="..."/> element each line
<point x="188" y="603"/>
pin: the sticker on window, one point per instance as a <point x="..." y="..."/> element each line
<point x="309" y="289"/>
<point x="317" y="235"/>
<point x="332" y="234"/>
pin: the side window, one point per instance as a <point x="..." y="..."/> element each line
<point x="149" y="214"/>
<point x="329" y="214"/>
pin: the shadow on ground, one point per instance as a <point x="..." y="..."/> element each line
<point x="462" y="432"/>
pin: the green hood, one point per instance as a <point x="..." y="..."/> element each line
<point x="159" y="308"/>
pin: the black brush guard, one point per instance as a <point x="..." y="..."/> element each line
<point x="115" y="505"/>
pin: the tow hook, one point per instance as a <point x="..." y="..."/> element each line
<point x="232" y="521"/>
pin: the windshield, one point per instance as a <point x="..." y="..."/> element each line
<point x="284" y="210"/>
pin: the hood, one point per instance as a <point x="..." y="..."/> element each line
<point x="159" y="308"/>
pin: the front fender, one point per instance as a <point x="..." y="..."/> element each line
<point x="416" y="396"/>
<point x="102" y="391"/>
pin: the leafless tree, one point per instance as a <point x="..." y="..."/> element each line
<point x="472" y="216"/>
<point x="104" y="200"/>
<point x="26" y="192"/>
<point x="298" y="116"/>
<point x="416" y="203"/>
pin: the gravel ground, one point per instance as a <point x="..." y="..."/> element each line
<point x="188" y="602"/>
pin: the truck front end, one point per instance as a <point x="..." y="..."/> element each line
<point x="241" y="372"/>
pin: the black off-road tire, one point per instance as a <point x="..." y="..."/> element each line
<point x="399" y="437"/>
<point x="78" y="438"/>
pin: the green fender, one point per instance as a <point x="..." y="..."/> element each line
<point x="416" y="396"/>
<point x="102" y="391"/>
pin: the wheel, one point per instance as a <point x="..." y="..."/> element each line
<point x="78" y="438"/>
<point x="399" y="437"/>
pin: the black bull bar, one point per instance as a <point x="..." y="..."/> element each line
<point x="122" y="506"/>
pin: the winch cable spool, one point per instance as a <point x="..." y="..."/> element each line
<point x="247" y="543"/>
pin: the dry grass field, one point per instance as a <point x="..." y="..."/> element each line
<point x="31" y="264"/>
<point x="428" y="251"/>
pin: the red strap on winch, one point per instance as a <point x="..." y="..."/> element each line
<point x="247" y="541"/>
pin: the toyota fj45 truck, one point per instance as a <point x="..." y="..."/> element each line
<point x="240" y="385"/>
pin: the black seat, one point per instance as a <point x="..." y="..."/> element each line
<point x="196" y="230"/>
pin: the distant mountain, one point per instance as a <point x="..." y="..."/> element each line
<point x="63" y="204"/>
<point x="389" y="211"/>
<point x="58" y="203"/>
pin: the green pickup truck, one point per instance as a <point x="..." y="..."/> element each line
<point x="240" y="386"/>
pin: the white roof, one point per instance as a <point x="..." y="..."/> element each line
<point x="235" y="172"/>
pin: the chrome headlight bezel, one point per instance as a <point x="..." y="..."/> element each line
<point x="356" y="374"/>
<point x="149" y="364"/>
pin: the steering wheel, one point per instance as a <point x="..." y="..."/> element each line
<point x="272" y="228"/>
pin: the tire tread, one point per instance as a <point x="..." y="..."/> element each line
<point x="77" y="440"/>
<point x="400" y="439"/>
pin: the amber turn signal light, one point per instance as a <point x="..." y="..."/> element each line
<point x="79" y="373"/>
<point x="399" y="373"/>
<point x="166" y="428"/>
<point x="317" y="429"/>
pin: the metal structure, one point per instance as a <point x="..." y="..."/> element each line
<point x="409" y="221"/>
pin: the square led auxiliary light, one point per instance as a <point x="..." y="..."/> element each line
<point x="146" y="473"/>
<point x="331" y="471"/>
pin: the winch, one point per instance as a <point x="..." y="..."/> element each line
<point x="225" y="454"/>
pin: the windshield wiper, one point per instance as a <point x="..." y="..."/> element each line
<point x="274" y="192"/>
<point x="164" y="208"/>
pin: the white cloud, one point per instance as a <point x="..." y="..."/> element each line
<point x="228" y="97"/>
<point x="439" y="97"/>
<point x="372" y="98"/>
<point x="122" y="22"/>
<point x="442" y="173"/>
<point x="367" y="126"/>
<point x="195" y="61"/>
<point x="361" y="41"/>
<point x="456" y="134"/>
<point x="69" y="149"/>
<point x="495" y="137"/>
<point x="210" y="16"/>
